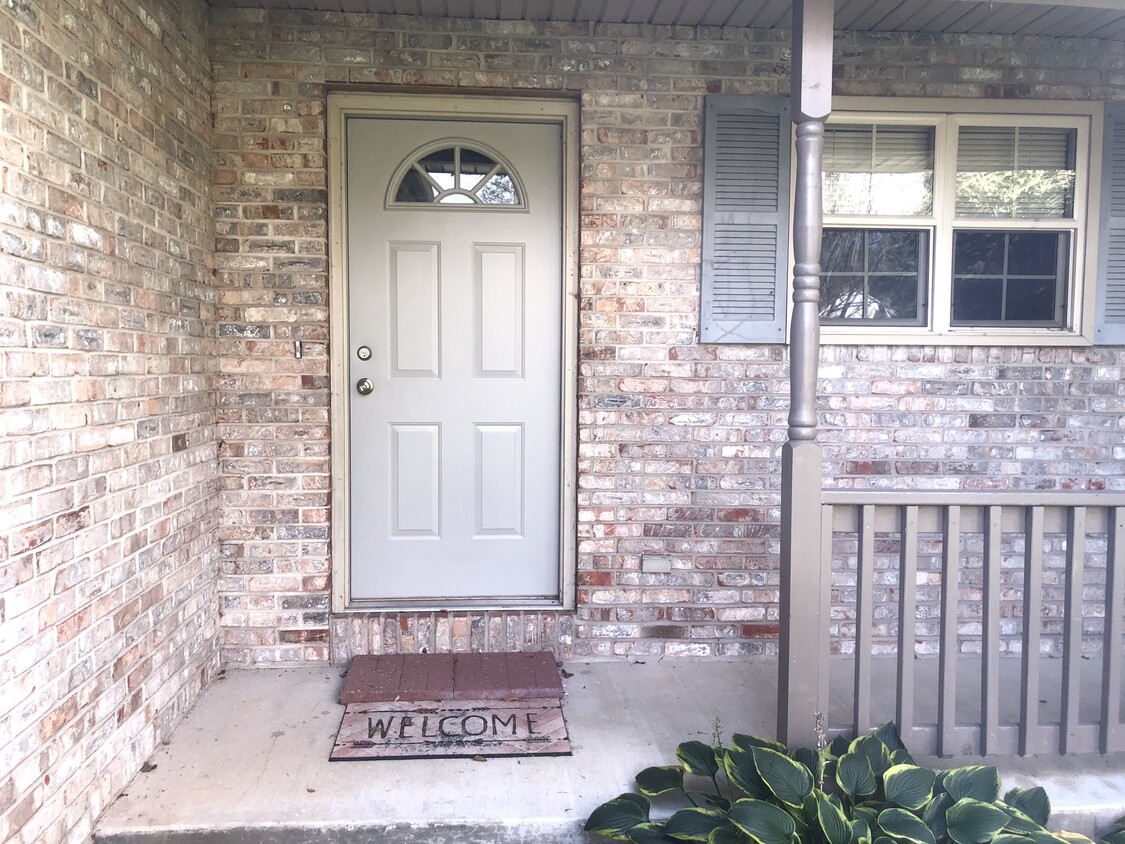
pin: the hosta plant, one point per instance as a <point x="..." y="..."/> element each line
<point x="865" y="791"/>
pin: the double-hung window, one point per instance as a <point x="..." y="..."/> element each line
<point x="954" y="223"/>
<point x="944" y="221"/>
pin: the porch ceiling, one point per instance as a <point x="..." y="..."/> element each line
<point x="1068" y="18"/>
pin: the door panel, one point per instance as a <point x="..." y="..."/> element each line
<point x="454" y="456"/>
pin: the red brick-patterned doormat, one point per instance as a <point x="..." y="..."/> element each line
<point x="419" y="706"/>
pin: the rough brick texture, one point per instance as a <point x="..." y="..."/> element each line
<point x="108" y="480"/>
<point x="679" y="443"/>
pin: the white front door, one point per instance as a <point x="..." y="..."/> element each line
<point x="455" y="317"/>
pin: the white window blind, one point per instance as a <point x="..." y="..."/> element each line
<point x="1020" y="172"/>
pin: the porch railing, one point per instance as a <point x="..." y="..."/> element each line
<point x="981" y="623"/>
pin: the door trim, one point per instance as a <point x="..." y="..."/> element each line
<point x="564" y="112"/>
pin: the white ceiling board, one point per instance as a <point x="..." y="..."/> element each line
<point x="1008" y="19"/>
<point x="565" y="10"/>
<point x="539" y="9"/>
<point x="871" y="15"/>
<point x="666" y="12"/>
<point x="720" y="11"/>
<point x="640" y="11"/>
<point x="1052" y="16"/>
<point x="692" y="14"/>
<point x="1080" y="22"/>
<point x="615" y="10"/>
<point x="1073" y="18"/>
<point x="972" y="19"/>
<point x="938" y="17"/>
<point x="771" y="13"/>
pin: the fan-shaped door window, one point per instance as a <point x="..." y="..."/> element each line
<point x="456" y="174"/>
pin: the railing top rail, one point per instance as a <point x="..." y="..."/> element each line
<point x="972" y="498"/>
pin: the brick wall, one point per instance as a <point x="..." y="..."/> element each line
<point x="679" y="443"/>
<point x="108" y="488"/>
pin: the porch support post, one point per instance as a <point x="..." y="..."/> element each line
<point x="803" y="659"/>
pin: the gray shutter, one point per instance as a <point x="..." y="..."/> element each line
<point x="745" y="220"/>
<point x="1109" y="325"/>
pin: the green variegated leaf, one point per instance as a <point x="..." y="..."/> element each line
<point x="1018" y="822"/>
<point x="694" y="824"/>
<point x="743" y="741"/>
<point x="717" y="800"/>
<point x="764" y="822"/>
<point x="648" y="833"/>
<point x="1115" y="837"/>
<point x="653" y="781"/>
<point x="934" y="814"/>
<point x="902" y="757"/>
<point x="875" y="752"/>
<point x="789" y="781"/>
<point x="970" y="821"/>
<point x="977" y="782"/>
<point x="865" y="813"/>
<point x="838" y="746"/>
<point x="1073" y="837"/>
<point x="833" y="826"/>
<point x="1033" y="802"/>
<point x="861" y="831"/>
<point x="812" y="760"/>
<point x="728" y="835"/>
<point x="741" y="771"/>
<point x="616" y="817"/>
<point x="908" y="786"/>
<point x="1042" y="837"/>
<point x="698" y="758"/>
<point x="854" y="776"/>
<point x="888" y="734"/>
<point x="901" y="825"/>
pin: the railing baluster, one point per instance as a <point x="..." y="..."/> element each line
<point x="947" y="669"/>
<point x="907" y="611"/>
<point x="864" y="590"/>
<point x="826" y="531"/>
<point x="1110" y="738"/>
<point x="1032" y="612"/>
<point x="990" y="632"/>
<point x="1072" y="628"/>
<point x="1037" y="510"/>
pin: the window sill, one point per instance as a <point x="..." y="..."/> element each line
<point x="867" y="335"/>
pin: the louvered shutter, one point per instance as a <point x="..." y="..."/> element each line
<point x="1110" y="322"/>
<point x="745" y="220"/>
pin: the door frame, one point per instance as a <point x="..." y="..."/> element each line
<point x="564" y="112"/>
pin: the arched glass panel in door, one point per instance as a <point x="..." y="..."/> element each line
<point x="452" y="174"/>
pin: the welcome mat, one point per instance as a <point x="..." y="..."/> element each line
<point x="411" y="706"/>
<point x="442" y="728"/>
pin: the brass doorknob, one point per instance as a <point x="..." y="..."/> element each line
<point x="364" y="386"/>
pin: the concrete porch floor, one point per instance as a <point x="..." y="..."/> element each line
<point x="250" y="763"/>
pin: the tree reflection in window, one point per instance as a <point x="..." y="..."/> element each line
<point x="457" y="175"/>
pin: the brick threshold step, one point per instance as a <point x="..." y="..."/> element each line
<point x="477" y="676"/>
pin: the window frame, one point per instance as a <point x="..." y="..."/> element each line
<point x="947" y="116"/>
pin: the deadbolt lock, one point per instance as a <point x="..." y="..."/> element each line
<point x="364" y="386"/>
<point x="363" y="353"/>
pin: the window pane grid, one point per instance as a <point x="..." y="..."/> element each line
<point x="874" y="275"/>
<point x="1009" y="278"/>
